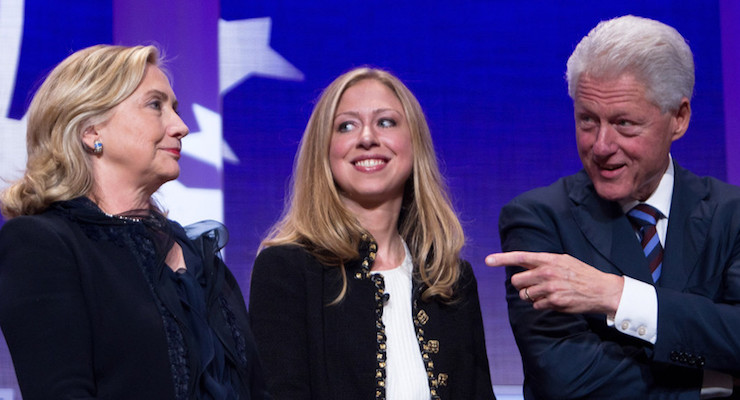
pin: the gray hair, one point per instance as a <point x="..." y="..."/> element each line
<point x="655" y="53"/>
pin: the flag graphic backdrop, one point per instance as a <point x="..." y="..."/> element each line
<point x="489" y="75"/>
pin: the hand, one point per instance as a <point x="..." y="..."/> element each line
<point x="562" y="283"/>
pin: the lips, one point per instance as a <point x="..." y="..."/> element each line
<point x="173" y="150"/>
<point x="609" y="170"/>
<point x="370" y="163"/>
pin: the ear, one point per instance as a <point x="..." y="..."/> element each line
<point x="681" y="119"/>
<point x="89" y="136"/>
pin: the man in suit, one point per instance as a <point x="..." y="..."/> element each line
<point x="604" y="301"/>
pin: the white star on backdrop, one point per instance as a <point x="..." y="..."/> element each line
<point x="244" y="51"/>
<point x="12" y="131"/>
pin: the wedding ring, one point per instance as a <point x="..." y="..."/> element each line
<point x="526" y="294"/>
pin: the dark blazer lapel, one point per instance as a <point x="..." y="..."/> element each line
<point x="607" y="229"/>
<point x="688" y="227"/>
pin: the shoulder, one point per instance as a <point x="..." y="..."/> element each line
<point x="556" y="195"/>
<point x="547" y="205"/>
<point x="466" y="282"/>
<point x="710" y="189"/>
<point x="36" y="227"/>
<point x="30" y="244"/>
<point x="284" y="252"/>
<point x="285" y="260"/>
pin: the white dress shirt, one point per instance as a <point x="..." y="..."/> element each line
<point x="637" y="313"/>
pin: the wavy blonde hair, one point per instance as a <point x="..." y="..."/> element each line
<point x="80" y="92"/>
<point x="316" y="219"/>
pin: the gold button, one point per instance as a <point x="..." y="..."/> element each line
<point x="432" y="346"/>
<point x="422" y="317"/>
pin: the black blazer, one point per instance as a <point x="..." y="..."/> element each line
<point x="578" y="356"/>
<point x="311" y="350"/>
<point x="81" y="321"/>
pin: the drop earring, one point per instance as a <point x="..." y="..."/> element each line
<point x="97" y="146"/>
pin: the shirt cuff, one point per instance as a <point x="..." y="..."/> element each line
<point x="637" y="313"/>
<point x="716" y="384"/>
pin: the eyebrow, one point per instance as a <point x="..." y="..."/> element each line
<point x="164" y="95"/>
<point x="374" y="112"/>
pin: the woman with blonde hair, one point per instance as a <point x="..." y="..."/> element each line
<point x="359" y="291"/>
<point x="102" y="296"/>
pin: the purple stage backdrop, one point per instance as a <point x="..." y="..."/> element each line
<point x="489" y="75"/>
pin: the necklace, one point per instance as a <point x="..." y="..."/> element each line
<point x="122" y="217"/>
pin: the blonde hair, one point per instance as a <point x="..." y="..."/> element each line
<point x="316" y="219"/>
<point x="78" y="93"/>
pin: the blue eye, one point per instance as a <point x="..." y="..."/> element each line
<point x="386" y="123"/>
<point x="346" y="126"/>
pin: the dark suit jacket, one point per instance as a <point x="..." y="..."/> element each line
<point x="81" y="321"/>
<point x="311" y="350"/>
<point x="578" y="356"/>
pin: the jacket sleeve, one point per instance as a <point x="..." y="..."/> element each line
<point x="698" y="325"/>
<point x="483" y="388"/>
<point x="279" y="321"/>
<point x="43" y="312"/>
<point x="570" y="356"/>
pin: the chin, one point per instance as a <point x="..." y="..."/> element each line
<point x="611" y="194"/>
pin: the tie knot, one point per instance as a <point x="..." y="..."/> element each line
<point x="644" y="214"/>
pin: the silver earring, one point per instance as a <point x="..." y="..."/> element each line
<point x="97" y="146"/>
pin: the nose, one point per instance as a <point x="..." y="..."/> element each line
<point x="368" y="137"/>
<point x="605" y="145"/>
<point x="177" y="127"/>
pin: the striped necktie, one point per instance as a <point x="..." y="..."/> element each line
<point x="644" y="218"/>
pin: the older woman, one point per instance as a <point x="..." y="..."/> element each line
<point x="359" y="292"/>
<point x="102" y="296"/>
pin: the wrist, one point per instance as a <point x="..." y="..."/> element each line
<point x="614" y="294"/>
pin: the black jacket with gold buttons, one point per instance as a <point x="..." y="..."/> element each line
<point x="313" y="350"/>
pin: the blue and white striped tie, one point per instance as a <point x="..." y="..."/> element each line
<point x="644" y="218"/>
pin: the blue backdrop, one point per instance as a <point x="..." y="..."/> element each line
<point x="489" y="75"/>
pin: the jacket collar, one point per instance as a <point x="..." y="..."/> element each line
<point x="605" y="226"/>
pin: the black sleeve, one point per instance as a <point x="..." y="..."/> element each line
<point x="43" y="313"/>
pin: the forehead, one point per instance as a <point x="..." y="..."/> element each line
<point x="155" y="79"/>
<point x="625" y="90"/>
<point x="369" y="94"/>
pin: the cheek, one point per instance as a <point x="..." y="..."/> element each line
<point x="584" y="143"/>
<point x="338" y="147"/>
<point x="337" y="150"/>
<point x="401" y="145"/>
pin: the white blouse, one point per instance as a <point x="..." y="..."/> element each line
<point x="406" y="378"/>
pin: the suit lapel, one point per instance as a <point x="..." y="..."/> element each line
<point x="608" y="230"/>
<point x="688" y="227"/>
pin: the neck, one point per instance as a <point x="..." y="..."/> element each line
<point x="382" y="223"/>
<point x="113" y="200"/>
<point x="116" y="193"/>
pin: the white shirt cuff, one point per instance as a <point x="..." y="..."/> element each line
<point x="637" y="314"/>
<point x="716" y="384"/>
